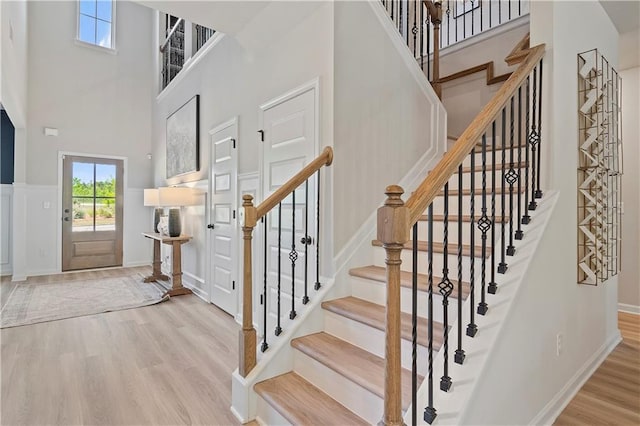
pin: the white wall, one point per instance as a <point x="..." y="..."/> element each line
<point x="13" y="68"/>
<point x="100" y="102"/>
<point x="6" y="210"/>
<point x="629" y="287"/>
<point x="277" y="52"/>
<point x="385" y="118"/>
<point x="551" y="302"/>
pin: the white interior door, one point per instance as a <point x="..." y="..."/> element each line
<point x="290" y="142"/>
<point x="223" y="206"/>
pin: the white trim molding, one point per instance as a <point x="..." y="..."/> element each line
<point x="630" y="309"/>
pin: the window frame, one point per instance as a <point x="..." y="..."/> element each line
<point x="112" y="48"/>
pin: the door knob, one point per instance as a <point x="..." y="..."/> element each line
<point x="211" y="226"/>
<point x="305" y="240"/>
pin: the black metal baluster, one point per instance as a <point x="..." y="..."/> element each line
<point x="519" y="233"/>
<point x="278" y="328"/>
<point x="511" y="177"/>
<point x="499" y="12"/>
<point x="317" y="284"/>
<point x="455" y="7"/>
<point x="502" y="266"/>
<point x="484" y="224"/>
<point x="306" y="240"/>
<point x="481" y="12"/>
<point x="400" y="22"/>
<point x="519" y="8"/>
<point x="538" y="193"/>
<point x="264" y="345"/>
<point x="445" y="287"/>
<point x="428" y="22"/>
<point x="526" y="218"/>
<point x="490" y="13"/>
<point x="430" y="412"/>
<point x="473" y="14"/>
<point x="533" y="140"/>
<point x="448" y="22"/>
<point x="459" y="355"/>
<point x="509" y="10"/>
<point x="493" y="286"/>
<point x="421" y="6"/>
<point x="293" y="256"/>
<point x="472" y="328"/>
<point x="414" y="327"/>
<point x="414" y="29"/>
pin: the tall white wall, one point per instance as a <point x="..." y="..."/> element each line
<point x="629" y="285"/>
<point x="551" y="302"/>
<point x="283" y="47"/>
<point x="100" y="102"/>
<point x="385" y="118"/>
<point x="13" y="68"/>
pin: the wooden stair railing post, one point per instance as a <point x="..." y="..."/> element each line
<point x="247" y="347"/>
<point x="393" y="231"/>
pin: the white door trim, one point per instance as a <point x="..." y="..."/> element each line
<point x="125" y="187"/>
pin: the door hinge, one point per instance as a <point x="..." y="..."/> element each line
<point x="233" y="285"/>
<point x="234" y="214"/>
<point x="261" y="299"/>
<point x="234" y="143"/>
<point x="261" y="135"/>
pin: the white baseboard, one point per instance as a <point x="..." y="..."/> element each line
<point x="630" y="309"/>
<point x="558" y="403"/>
<point x="195" y="284"/>
<point x="137" y="263"/>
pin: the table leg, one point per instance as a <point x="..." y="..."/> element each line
<point x="176" y="278"/>
<point x="157" y="271"/>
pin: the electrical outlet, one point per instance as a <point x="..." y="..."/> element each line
<point x="558" y="344"/>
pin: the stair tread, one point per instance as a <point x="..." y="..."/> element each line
<point x="439" y="247"/>
<point x="373" y="315"/>
<point x="478" y="191"/>
<point x="378" y="273"/>
<point x="356" y="364"/>
<point x="301" y="403"/>
<point x="454" y="218"/>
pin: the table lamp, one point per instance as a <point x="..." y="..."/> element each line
<point x="174" y="198"/>
<point x="152" y="199"/>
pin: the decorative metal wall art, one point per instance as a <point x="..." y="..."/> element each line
<point x="599" y="169"/>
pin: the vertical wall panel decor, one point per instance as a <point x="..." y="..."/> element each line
<point x="599" y="169"/>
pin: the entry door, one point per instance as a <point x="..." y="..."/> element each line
<point x="92" y="201"/>
<point x="223" y="218"/>
<point x="289" y="129"/>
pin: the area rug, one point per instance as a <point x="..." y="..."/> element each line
<point x="32" y="303"/>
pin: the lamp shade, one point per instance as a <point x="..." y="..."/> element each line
<point x="151" y="197"/>
<point x="176" y="196"/>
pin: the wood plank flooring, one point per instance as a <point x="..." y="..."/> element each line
<point x="166" y="364"/>
<point x="612" y="395"/>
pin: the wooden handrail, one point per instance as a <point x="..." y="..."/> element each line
<point x="429" y="188"/>
<point x="324" y="159"/>
<point x="250" y="216"/>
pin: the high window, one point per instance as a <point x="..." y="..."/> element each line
<point x="95" y="22"/>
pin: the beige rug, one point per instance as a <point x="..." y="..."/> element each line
<point x="31" y="303"/>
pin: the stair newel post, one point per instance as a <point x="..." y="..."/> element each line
<point x="247" y="347"/>
<point x="393" y="230"/>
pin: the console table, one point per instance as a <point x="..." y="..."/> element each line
<point x="177" y="288"/>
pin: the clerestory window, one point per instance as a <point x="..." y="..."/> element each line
<point x="96" y="22"/>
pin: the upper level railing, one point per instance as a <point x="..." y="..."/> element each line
<point x="508" y="127"/>
<point x="272" y="220"/>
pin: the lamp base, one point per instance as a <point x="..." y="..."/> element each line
<point x="175" y="225"/>
<point x="157" y="213"/>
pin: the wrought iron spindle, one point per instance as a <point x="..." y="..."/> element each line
<point x="414" y="327"/>
<point x="430" y="411"/>
<point x="526" y="218"/>
<point x="421" y="6"/>
<point x="455" y="7"/>
<point x="473" y="14"/>
<point x="533" y="140"/>
<point x="484" y="224"/>
<point x="414" y="29"/>
<point x="445" y="288"/>
<point x="448" y="22"/>
<point x="278" y="328"/>
<point x="538" y="193"/>
<point x="459" y="355"/>
<point x="464" y="21"/>
<point x="472" y="328"/>
<point x="502" y="266"/>
<point x="428" y="22"/>
<point x="509" y="10"/>
<point x="490" y="13"/>
<point x="293" y="256"/>
<point x="519" y="232"/>
<point x="481" y="19"/>
<point x="511" y="177"/>
<point x="499" y="11"/>
<point x="317" y="285"/>
<point x="493" y="286"/>
<point x="264" y="346"/>
<point x="306" y="240"/>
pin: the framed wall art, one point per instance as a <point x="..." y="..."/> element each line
<point x="183" y="144"/>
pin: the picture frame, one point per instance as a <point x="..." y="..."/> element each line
<point x="183" y="139"/>
<point x="466" y="7"/>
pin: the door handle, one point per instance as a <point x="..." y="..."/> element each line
<point x="211" y="226"/>
<point x="306" y="240"/>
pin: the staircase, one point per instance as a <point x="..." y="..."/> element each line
<point x="338" y="375"/>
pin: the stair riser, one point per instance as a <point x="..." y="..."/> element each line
<point x="438" y="204"/>
<point x="357" y="399"/>
<point x="269" y="415"/>
<point x="379" y="258"/>
<point x="375" y="292"/>
<point x="370" y="339"/>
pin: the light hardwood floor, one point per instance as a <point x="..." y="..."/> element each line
<point x="612" y="395"/>
<point x="167" y="364"/>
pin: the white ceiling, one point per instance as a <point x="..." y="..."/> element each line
<point x="625" y="14"/>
